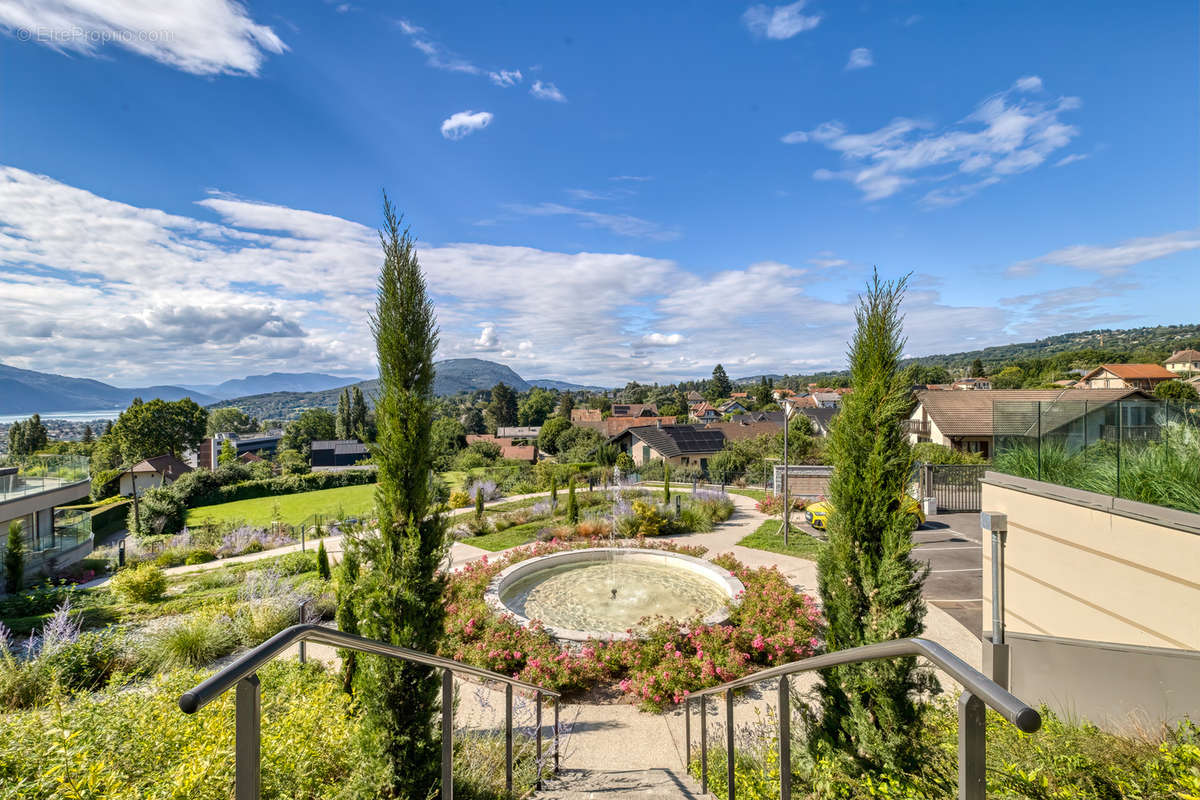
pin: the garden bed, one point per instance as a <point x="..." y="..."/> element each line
<point x="773" y="624"/>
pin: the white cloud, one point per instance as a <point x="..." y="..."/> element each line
<point x="779" y="22"/>
<point x="634" y="178"/>
<point x="465" y="122"/>
<point x="662" y="339"/>
<point x="1071" y="159"/>
<point x="620" y="224"/>
<point x="203" y="38"/>
<point x="488" y="339"/>
<point x="102" y="289"/>
<point x="1007" y="133"/>
<point x="547" y="91"/>
<point x="860" y="58"/>
<point x="1113" y="259"/>
<point x="505" y="77"/>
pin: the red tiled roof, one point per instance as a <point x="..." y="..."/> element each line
<point x="1131" y="372"/>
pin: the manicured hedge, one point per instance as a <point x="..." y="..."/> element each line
<point x="284" y="484"/>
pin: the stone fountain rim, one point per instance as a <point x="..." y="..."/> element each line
<point x="722" y="578"/>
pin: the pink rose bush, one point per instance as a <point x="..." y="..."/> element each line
<point x="774" y="624"/>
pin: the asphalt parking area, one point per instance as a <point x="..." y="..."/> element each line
<point x="951" y="545"/>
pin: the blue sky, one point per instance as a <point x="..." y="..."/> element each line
<point x="602" y="192"/>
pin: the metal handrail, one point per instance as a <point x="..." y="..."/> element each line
<point x="979" y="691"/>
<point x="242" y="674"/>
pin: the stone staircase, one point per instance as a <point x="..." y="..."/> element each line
<point x="586" y="784"/>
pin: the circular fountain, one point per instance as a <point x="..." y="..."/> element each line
<point x="603" y="592"/>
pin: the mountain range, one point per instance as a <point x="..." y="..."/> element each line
<point x="24" y="391"/>
<point x="451" y="376"/>
<point x="274" y="382"/>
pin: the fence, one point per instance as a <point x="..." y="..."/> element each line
<point x="956" y="486"/>
<point x="1143" y="449"/>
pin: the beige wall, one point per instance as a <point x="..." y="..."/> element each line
<point x="1087" y="566"/>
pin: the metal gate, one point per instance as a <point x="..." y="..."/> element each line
<point x="956" y="486"/>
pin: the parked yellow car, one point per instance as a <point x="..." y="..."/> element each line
<point x="817" y="514"/>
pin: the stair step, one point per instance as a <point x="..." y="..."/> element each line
<point x="585" y="784"/>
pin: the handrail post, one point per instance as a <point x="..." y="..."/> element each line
<point x="447" y="735"/>
<point x="301" y="644"/>
<point x="247" y="739"/>
<point x="785" y="739"/>
<point x="557" y="703"/>
<point x="538" y="706"/>
<point x="729" y="770"/>
<point x="687" y="733"/>
<point x="972" y="748"/>
<point x="704" y="744"/>
<point x="508" y="758"/>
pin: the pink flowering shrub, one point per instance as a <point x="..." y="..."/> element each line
<point x="772" y="505"/>
<point x="773" y="624"/>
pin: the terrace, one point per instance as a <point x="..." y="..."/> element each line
<point x="24" y="476"/>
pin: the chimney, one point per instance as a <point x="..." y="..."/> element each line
<point x="658" y="424"/>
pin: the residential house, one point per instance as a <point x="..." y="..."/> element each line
<point x="973" y="383"/>
<point x="519" y="432"/>
<point x="152" y="473"/>
<point x="780" y="394"/>
<point x="31" y="492"/>
<point x="831" y="399"/>
<point x="694" y="397"/>
<point x="580" y="415"/>
<point x="739" y="395"/>
<point x="209" y="453"/>
<point x="821" y="418"/>
<point x="1184" y="362"/>
<point x="1126" y="376"/>
<point x="741" y="427"/>
<point x="336" y="453"/>
<point x="966" y="420"/>
<point x="677" y="445"/>
<point x="704" y="412"/>
<point x="634" y="410"/>
<point x="732" y="407"/>
<point x="508" y="450"/>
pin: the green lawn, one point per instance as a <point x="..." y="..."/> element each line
<point x="290" y="508"/>
<point x="768" y="538"/>
<point x="516" y="535"/>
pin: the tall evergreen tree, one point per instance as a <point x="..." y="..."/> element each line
<point x="16" y="439"/>
<point x="977" y="370"/>
<point x="721" y="385"/>
<point x="869" y="583"/>
<point x="14" y="559"/>
<point x="342" y="426"/>
<point x="572" y="503"/>
<point x="400" y="601"/>
<point x="503" y="407"/>
<point x="358" y="413"/>
<point x="566" y="405"/>
<point x="88" y="435"/>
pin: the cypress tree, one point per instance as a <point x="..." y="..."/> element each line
<point x="666" y="482"/>
<point x="399" y="598"/>
<point x="358" y="414"/>
<point x="572" y="503"/>
<point x="88" y="436"/>
<point x="869" y="583"/>
<point x="14" y="559"/>
<point x="322" y="562"/>
<point x="342" y="425"/>
<point x="553" y="491"/>
<point x="478" y="501"/>
<point x="344" y="615"/>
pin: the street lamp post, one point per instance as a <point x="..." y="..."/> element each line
<point x="788" y="410"/>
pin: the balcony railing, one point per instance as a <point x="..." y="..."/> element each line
<point x="919" y="427"/>
<point x="25" y="475"/>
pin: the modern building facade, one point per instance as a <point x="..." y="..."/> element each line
<point x="31" y="491"/>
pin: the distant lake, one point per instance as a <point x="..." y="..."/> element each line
<point x="68" y="416"/>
